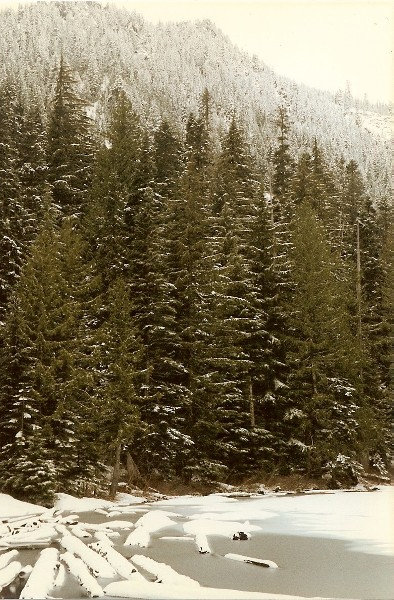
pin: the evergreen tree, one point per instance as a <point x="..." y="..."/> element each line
<point x="283" y="162"/>
<point x="117" y="403"/>
<point x="70" y="145"/>
<point x="11" y="206"/>
<point x="41" y="398"/>
<point x="323" y="393"/>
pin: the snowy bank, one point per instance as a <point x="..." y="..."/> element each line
<point x="10" y="507"/>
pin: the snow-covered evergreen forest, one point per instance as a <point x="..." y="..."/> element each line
<point x="194" y="261"/>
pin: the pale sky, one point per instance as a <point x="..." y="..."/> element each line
<point x="317" y="42"/>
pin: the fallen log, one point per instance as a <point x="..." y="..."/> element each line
<point x="164" y="573"/>
<point x="116" y="560"/>
<point x="139" y="537"/>
<point x="253" y="561"/>
<point x="42" y="577"/>
<point x="6" y="558"/>
<point x="80" y="571"/>
<point x="8" y="574"/>
<point x="96" y="563"/>
<point x="202" y="544"/>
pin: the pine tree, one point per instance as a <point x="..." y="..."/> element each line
<point x="70" y="146"/>
<point x="323" y="392"/>
<point x="117" y="403"/>
<point x="33" y="172"/>
<point x="283" y="162"/>
<point x="42" y="393"/>
<point x="164" y="446"/>
<point x="11" y="207"/>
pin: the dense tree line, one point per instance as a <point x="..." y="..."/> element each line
<point x="180" y="310"/>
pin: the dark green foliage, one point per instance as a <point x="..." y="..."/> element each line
<point x="70" y="146"/>
<point x="158" y="307"/>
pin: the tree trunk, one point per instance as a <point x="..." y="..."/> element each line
<point x="358" y="283"/>
<point x="251" y="403"/>
<point x="133" y="473"/>
<point x="115" y="472"/>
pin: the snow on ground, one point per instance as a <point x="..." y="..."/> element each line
<point x="9" y="507"/>
<point x="68" y="503"/>
<point x="152" y="591"/>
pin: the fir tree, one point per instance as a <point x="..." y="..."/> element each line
<point x="323" y="395"/>
<point x="70" y="145"/>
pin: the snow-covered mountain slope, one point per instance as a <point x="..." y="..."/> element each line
<point x="165" y="67"/>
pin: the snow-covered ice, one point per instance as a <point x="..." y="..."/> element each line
<point x="153" y="591"/>
<point x="210" y="527"/>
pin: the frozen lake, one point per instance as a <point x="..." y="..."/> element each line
<point x="333" y="545"/>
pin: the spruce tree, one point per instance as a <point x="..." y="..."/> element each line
<point x="117" y="404"/>
<point x="70" y="147"/>
<point x="11" y="205"/>
<point x="323" y="393"/>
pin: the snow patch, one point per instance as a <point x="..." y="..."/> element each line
<point x="68" y="503"/>
<point x="10" y="507"/>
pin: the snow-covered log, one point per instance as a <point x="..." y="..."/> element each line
<point x="177" y="538"/>
<point x="80" y="571"/>
<point x="119" y="525"/>
<point x="95" y="527"/>
<point x="42" y="577"/>
<point x="164" y="573"/>
<point x="130" y="510"/>
<point x="8" y="574"/>
<point x="116" y="560"/>
<point x="62" y="529"/>
<point x="16" y="525"/>
<point x="79" y="532"/>
<point x="155" y="520"/>
<point x="43" y="535"/>
<point x="253" y="561"/>
<point x="60" y="577"/>
<point x="69" y="520"/>
<point x="102" y="537"/>
<point x="139" y="537"/>
<point x="96" y="563"/>
<point x="202" y="544"/>
<point x="6" y="558"/>
<point x="25" y="571"/>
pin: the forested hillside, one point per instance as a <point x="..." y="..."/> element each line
<point x="170" y="297"/>
<point x="165" y="68"/>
